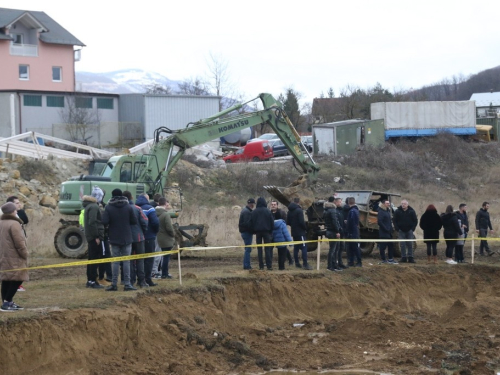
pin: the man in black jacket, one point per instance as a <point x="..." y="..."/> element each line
<point x="384" y="222"/>
<point x="464" y="221"/>
<point x="94" y="234"/>
<point x="483" y="222"/>
<point x="138" y="246"/>
<point x="405" y="221"/>
<point x="297" y="223"/>
<point x="333" y="230"/>
<point x="263" y="225"/>
<point x="245" y="227"/>
<point x="119" y="216"/>
<point x="342" y="222"/>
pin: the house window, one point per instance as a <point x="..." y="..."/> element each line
<point x="24" y="72"/>
<point x="56" y="74"/>
<point x="104" y="103"/>
<point x="32" y="100"/>
<point x="55" y="101"/>
<point x="83" y="102"/>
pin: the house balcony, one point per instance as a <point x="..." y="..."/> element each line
<point x="23" y="50"/>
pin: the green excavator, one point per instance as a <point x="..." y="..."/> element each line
<point x="149" y="173"/>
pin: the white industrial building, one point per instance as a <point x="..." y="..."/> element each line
<point x="171" y="111"/>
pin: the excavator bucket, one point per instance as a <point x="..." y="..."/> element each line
<point x="299" y="188"/>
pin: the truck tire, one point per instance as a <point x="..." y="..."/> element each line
<point x="397" y="249"/>
<point x="366" y="248"/>
<point x="70" y="241"/>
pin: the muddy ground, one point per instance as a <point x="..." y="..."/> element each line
<point x="405" y="319"/>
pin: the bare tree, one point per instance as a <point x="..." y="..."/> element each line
<point x="79" y="117"/>
<point x="157" y="88"/>
<point x="194" y="86"/>
<point x="220" y="83"/>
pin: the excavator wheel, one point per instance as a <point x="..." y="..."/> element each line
<point x="70" y="240"/>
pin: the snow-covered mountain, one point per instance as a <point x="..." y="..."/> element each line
<point x="121" y="81"/>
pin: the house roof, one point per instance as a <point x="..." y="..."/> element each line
<point x="51" y="31"/>
<point x="485" y="99"/>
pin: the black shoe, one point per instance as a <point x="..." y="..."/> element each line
<point x="281" y="269"/>
<point x="290" y="262"/>
<point x="94" y="285"/>
<point x="307" y="267"/>
<point x="411" y="260"/>
<point x="169" y="276"/>
<point x="298" y="265"/>
<point x="343" y="266"/>
<point x="143" y="285"/>
<point x="269" y="268"/>
<point x="129" y="287"/>
<point x="109" y="280"/>
<point x="247" y="268"/>
<point x="151" y="283"/>
<point x="404" y="260"/>
<point x="358" y="265"/>
<point x="111" y="288"/>
<point x="490" y="253"/>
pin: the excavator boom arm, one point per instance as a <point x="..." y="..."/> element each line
<point x="218" y="126"/>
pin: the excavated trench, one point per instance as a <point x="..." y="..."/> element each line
<point x="393" y="319"/>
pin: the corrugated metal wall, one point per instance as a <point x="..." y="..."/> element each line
<point x="175" y="112"/>
<point x="131" y="108"/>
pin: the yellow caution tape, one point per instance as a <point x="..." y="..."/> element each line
<point x="273" y="244"/>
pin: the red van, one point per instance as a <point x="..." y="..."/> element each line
<point x="254" y="151"/>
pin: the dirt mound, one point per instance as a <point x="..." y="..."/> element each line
<point x="392" y="319"/>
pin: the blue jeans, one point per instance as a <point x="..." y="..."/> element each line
<point x="165" y="261"/>
<point x="406" y="246"/>
<point x="247" y="240"/>
<point x="302" y="247"/>
<point x="121" y="251"/>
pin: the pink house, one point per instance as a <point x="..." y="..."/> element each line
<point x="36" y="53"/>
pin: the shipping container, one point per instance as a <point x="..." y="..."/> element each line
<point x="416" y="119"/>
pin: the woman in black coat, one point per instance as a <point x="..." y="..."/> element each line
<point x="431" y="224"/>
<point x="451" y="230"/>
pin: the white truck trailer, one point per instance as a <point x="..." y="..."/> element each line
<point x="418" y="119"/>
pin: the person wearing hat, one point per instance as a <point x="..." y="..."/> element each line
<point x="13" y="255"/>
<point x="245" y="227"/>
<point x="119" y="217"/>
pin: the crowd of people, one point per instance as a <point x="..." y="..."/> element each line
<point x="341" y="221"/>
<point x="123" y="227"/>
<point x="120" y="228"/>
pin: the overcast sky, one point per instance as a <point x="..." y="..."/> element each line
<point x="270" y="45"/>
